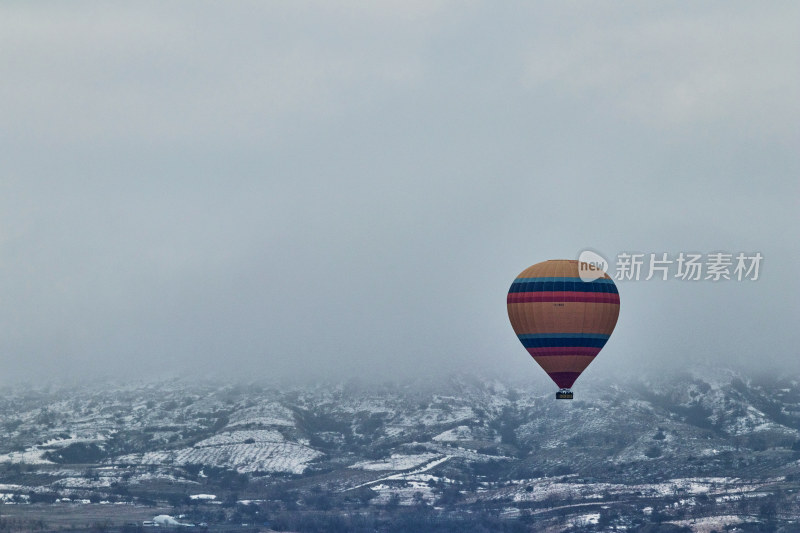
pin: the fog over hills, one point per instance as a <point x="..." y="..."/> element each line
<point x="673" y="451"/>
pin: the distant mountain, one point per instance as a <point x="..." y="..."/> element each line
<point x="650" y="454"/>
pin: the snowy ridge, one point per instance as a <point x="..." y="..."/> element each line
<point x="396" y="462"/>
<point x="259" y="457"/>
<point x="239" y="437"/>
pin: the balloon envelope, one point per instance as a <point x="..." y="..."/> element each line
<point x="560" y="319"/>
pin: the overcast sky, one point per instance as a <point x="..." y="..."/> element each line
<point x="349" y="188"/>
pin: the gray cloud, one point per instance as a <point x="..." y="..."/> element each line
<point x="283" y="189"/>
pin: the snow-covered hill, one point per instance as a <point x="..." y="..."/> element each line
<point x="462" y="441"/>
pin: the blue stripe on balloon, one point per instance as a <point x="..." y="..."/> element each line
<point x="552" y="340"/>
<point x="562" y="285"/>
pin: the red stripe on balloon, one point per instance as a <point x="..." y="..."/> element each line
<point x="564" y="350"/>
<point x="564" y="379"/>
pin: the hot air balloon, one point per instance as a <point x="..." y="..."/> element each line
<point x="562" y="320"/>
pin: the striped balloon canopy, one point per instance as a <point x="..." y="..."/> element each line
<point x="560" y="319"/>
